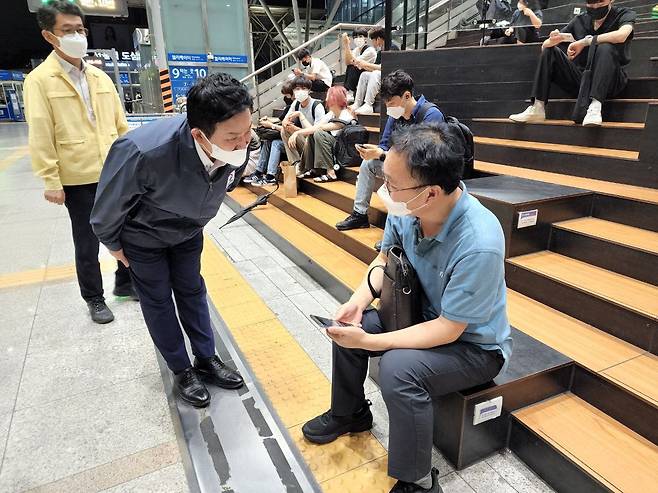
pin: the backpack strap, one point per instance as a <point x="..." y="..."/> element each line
<point x="315" y="105"/>
<point x="422" y="111"/>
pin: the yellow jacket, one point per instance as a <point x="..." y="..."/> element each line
<point x="65" y="147"/>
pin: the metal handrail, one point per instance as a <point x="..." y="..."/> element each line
<point x="304" y="45"/>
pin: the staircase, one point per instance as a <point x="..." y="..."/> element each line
<point x="582" y="284"/>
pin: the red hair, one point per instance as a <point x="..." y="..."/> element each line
<point x="337" y="96"/>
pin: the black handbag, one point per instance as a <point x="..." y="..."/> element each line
<point x="584" y="100"/>
<point x="401" y="295"/>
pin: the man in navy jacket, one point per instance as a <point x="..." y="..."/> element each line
<point x="161" y="184"/>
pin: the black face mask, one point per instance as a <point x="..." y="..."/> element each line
<point x="306" y="64"/>
<point x="598" y="13"/>
<point x="288" y="99"/>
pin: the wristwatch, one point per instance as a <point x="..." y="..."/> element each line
<point x="590" y="39"/>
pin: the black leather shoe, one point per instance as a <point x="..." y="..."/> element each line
<point x="191" y="389"/>
<point x="327" y="427"/>
<point x="402" y="487"/>
<point x="125" y="291"/>
<point x="378" y="246"/>
<point x="353" y="221"/>
<point x="213" y="371"/>
<point x="99" y="311"/>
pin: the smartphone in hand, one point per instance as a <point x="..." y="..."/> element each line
<point x="324" y="323"/>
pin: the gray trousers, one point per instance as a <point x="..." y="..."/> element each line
<point x="365" y="183"/>
<point x="368" y="88"/>
<point x="318" y="151"/>
<point x="294" y="155"/>
<point x="408" y="379"/>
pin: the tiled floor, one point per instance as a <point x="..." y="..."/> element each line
<point x="82" y="406"/>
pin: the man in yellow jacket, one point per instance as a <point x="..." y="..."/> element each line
<point x="74" y="114"/>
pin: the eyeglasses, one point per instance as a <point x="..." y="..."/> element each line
<point x="83" y="31"/>
<point x="393" y="189"/>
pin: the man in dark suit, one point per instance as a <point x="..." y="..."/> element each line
<point x="161" y="184"/>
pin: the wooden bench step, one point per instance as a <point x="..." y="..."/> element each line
<point x="566" y="123"/>
<point x="620" y="234"/>
<point x="639" y="375"/>
<point x="616" y="456"/>
<point x="566" y="149"/>
<point x="633" y="295"/>
<point x="630" y="192"/>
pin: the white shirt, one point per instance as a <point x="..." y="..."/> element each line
<point x="369" y="55"/>
<point x="345" y="115"/>
<point x="208" y="163"/>
<point x="321" y="69"/>
<point x="79" y="80"/>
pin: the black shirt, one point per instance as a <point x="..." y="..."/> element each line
<point x="378" y="60"/>
<point x="583" y="25"/>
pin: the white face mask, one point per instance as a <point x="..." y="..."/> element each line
<point x="301" y="95"/>
<point x="234" y="158"/>
<point x="395" y="111"/>
<point x="397" y="208"/>
<point x="73" y="45"/>
<point x="359" y="42"/>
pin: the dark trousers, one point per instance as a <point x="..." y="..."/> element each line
<point x="319" y="86"/>
<point x="156" y="273"/>
<point x="408" y="379"/>
<point x="608" y="78"/>
<point x="352" y="75"/>
<point x="79" y="201"/>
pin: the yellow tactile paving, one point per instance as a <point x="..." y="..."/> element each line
<point x="47" y="274"/>
<point x="295" y="386"/>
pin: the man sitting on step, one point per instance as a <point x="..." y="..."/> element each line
<point x="402" y="109"/>
<point x="613" y="28"/>
<point x="457" y="249"/>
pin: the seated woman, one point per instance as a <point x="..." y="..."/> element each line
<point x="524" y="26"/>
<point x="317" y="158"/>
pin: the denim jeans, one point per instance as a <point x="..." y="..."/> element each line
<point x="365" y="184"/>
<point x="269" y="161"/>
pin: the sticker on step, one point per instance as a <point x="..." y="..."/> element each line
<point x="527" y="218"/>
<point x="484" y="411"/>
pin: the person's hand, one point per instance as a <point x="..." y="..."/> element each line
<point x="527" y="11"/>
<point x="120" y="257"/>
<point x="358" y="63"/>
<point x="509" y="31"/>
<point x="55" y="196"/>
<point x="297" y="72"/>
<point x="266" y="124"/>
<point x="349" y="313"/>
<point x="574" y="49"/>
<point x="349" y="336"/>
<point x="369" y="151"/>
<point x="555" y="35"/>
<point x="293" y="115"/>
<point x="292" y="141"/>
<point x="345" y="38"/>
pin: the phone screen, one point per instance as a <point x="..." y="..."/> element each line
<point x="327" y="322"/>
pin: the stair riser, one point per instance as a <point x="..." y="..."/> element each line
<point x="556" y="110"/>
<point x="600" y="168"/>
<point x="611" y="138"/>
<point x="624" y="260"/>
<point x="641" y="215"/>
<point x="620" y="404"/>
<point x="376" y="217"/>
<point x="618" y="321"/>
<point x="556" y="469"/>
<point x="364" y="253"/>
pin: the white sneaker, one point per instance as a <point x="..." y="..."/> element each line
<point x="350" y="97"/>
<point x="593" y="117"/>
<point x="532" y="114"/>
<point x="366" y="109"/>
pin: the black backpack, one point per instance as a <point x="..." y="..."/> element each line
<point x="345" y="154"/>
<point x="458" y="129"/>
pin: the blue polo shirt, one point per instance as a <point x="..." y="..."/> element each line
<point x="461" y="270"/>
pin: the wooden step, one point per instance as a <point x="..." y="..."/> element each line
<point x="322" y="217"/>
<point x="630" y="192"/>
<point x="639" y="375"/>
<point x="626" y="250"/>
<point x="617" y="457"/>
<point x="566" y="123"/>
<point x="633" y="295"/>
<point x="620" y="234"/>
<point x="347" y="269"/>
<point x="566" y="149"/>
<point x="589" y="346"/>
